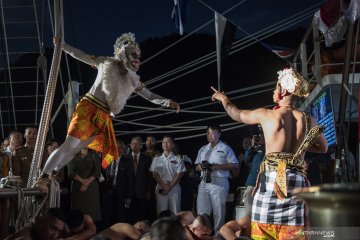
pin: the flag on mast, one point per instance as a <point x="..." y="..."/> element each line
<point x="179" y="14"/>
<point x="225" y="32"/>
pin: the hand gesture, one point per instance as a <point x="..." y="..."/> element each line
<point x="217" y="96"/>
<point x="174" y="105"/>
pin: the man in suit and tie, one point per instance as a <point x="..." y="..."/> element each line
<point x="120" y="188"/>
<point x="143" y="180"/>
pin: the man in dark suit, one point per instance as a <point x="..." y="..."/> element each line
<point x="119" y="189"/>
<point x="143" y="181"/>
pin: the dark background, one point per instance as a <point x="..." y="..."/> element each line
<point x="93" y="27"/>
<point x="249" y="67"/>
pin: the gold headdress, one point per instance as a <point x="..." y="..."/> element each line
<point x="293" y="82"/>
<point x="124" y="41"/>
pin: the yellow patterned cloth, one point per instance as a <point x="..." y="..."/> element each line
<point x="92" y="118"/>
<point x="265" y="231"/>
<point x="279" y="162"/>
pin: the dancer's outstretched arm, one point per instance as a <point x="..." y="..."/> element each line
<point x="157" y="99"/>
<point x="78" y="54"/>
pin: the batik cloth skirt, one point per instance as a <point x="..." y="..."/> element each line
<point x="92" y="118"/>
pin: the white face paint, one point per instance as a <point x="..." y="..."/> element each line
<point x="133" y="56"/>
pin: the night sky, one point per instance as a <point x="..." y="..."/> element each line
<point x="94" y="27"/>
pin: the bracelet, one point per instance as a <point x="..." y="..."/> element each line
<point x="170" y="103"/>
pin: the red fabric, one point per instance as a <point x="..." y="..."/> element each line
<point x="329" y="12"/>
<point x="281" y="52"/>
<point x="276" y="107"/>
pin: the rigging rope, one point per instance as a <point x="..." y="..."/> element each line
<point x="31" y="208"/>
<point x="8" y="63"/>
<point x="169" y="126"/>
<point x="264" y="33"/>
<point x="238" y="91"/>
<point x="60" y="73"/>
<point x="49" y="97"/>
<point x="285" y="23"/>
<point x="188" y="35"/>
<point x="238" y="45"/>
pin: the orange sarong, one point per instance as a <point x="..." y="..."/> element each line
<point x="264" y="231"/>
<point x="92" y="118"/>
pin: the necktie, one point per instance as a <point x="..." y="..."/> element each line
<point x="113" y="167"/>
<point x="135" y="162"/>
<point x="112" y="174"/>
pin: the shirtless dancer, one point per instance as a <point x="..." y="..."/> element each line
<point x="276" y="214"/>
<point x="91" y="123"/>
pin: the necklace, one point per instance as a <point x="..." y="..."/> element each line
<point x="290" y="106"/>
<point x="279" y="106"/>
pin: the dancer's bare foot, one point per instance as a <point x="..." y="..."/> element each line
<point x="42" y="184"/>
